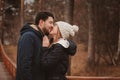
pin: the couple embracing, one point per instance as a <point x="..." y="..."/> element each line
<point x="44" y="49"/>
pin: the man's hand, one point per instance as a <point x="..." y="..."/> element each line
<point x="46" y="42"/>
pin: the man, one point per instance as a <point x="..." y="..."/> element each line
<point x="30" y="47"/>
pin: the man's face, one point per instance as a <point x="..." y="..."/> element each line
<point x="48" y="25"/>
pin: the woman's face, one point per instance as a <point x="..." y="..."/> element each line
<point x="54" y="31"/>
<point x="55" y="34"/>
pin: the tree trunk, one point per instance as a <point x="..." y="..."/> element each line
<point x="69" y="8"/>
<point x="68" y="17"/>
<point x="22" y="12"/>
<point x="117" y="56"/>
<point x="91" y="45"/>
<point x="1" y="21"/>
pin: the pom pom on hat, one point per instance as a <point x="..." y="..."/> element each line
<point x="75" y="28"/>
<point x="66" y="29"/>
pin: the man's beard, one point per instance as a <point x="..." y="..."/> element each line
<point x="46" y="32"/>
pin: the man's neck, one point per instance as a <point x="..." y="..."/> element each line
<point x="39" y="29"/>
<point x="34" y="27"/>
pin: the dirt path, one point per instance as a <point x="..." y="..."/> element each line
<point x="4" y="75"/>
<point x="78" y="61"/>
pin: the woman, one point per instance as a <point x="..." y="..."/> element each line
<point x="55" y="59"/>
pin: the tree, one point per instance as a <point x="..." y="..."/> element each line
<point x="69" y="11"/>
<point x="91" y="45"/>
<point x="117" y="56"/>
<point x="107" y="36"/>
<point x="68" y="16"/>
<point x="22" y="12"/>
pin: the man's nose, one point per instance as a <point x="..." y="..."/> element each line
<point x="51" y="28"/>
<point x="52" y="25"/>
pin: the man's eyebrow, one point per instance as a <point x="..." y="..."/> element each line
<point x="51" y="21"/>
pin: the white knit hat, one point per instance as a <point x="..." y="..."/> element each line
<point x="66" y="29"/>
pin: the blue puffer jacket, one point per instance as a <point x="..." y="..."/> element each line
<point x="55" y="60"/>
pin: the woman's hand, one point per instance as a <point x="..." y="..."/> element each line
<point x="46" y="42"/>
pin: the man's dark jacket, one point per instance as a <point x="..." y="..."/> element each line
<point x="29" y="55"/>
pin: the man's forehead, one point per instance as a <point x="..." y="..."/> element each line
<point x="50" y="18"/>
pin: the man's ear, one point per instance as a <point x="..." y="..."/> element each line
<point x="41" y="22"/>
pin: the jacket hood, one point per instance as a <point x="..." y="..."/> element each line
<point x="27" y="28"/>
<point x="71" y="50"/>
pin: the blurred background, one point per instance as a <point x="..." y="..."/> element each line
<point x="98" y="39"/>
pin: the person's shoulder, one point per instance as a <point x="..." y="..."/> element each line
<point x="29" y="33"/>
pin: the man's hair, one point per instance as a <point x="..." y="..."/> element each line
<point x="43" y="15"/>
